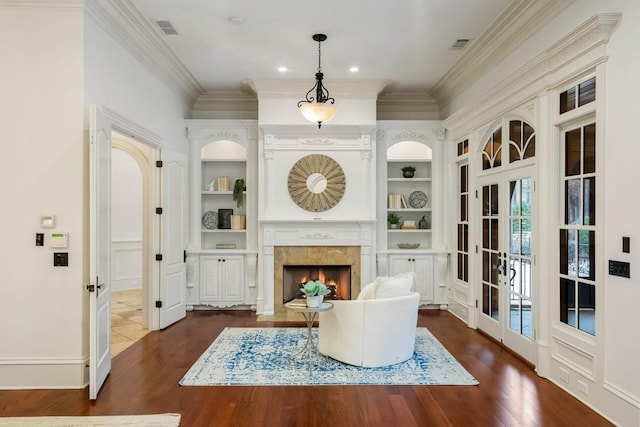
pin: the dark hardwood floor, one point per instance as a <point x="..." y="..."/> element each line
<point x="144" y="380"/>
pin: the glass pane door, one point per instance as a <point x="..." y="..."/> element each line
<point x="489" y="319"/>
<point x="507" y="285"/>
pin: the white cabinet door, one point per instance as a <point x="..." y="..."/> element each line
<point x="210" y="278"/>
<point x="233" y="284"/>
<point x="422" y="266"/>
<point x="222" y="280"/>
<point x="399" y="264"/>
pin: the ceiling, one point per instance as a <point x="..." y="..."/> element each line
<point x="409" y="42"/>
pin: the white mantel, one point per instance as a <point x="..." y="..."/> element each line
<point x="312" y="233"/>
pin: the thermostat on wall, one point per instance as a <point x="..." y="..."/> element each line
<point x="59" y="240"/>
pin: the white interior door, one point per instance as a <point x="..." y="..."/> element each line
<point x="506" y="306"/>
<point x="100" y="284"/>
<point x="175" y="202"/>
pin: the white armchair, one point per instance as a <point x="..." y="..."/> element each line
<point x="370" y="332"/>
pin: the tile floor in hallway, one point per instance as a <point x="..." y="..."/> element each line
<point x="126" y="319"/>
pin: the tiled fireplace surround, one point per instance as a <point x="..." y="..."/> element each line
<point x="314" y="255"/>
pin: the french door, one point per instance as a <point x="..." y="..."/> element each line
<point x="507" y="280"/>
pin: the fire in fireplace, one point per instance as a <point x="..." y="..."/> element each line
<point x="336" y="277"/>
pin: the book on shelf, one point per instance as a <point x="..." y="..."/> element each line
<point x="403" y="202"/>
<point x="225" y="245"/>
<point x="297" y="303"/>
<point x="394" y="201"/>
<point x="408" y="227"/>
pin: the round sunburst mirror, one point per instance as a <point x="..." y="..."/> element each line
<point x="316" y="183"/>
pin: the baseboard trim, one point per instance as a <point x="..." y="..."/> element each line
<point x="63" y="373"/>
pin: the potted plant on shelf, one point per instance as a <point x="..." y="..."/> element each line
<point x="238" y="189"/>
<point x="407" y="171"/>
<point x="315" y="290"/>
<point x="394" y="220"/>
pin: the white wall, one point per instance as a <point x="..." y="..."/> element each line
<point x="126" y="221"/>
<point x="116" y="80"/>
<point x="126" y="197"/>
<point x="55" y="62"/>
<point x="622" y="139"/>
<point x="614" y="384"/>
<point x="43" y="172"/>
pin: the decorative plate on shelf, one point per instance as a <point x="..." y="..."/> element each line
<point x="210" y="220"/>
<point x="408" y="245"/>
<point x="417" y="199"/>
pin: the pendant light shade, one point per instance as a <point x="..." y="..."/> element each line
<point x="319" y="108"/>
<point x="318" y="112"/>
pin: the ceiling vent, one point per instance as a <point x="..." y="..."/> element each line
<point x="166" y="27"/>
<point x="460" y="44"/>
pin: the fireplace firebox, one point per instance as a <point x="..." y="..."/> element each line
<point x="336" y="277"/>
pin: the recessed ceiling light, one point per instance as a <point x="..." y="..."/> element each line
<point x="353" y="69"/>
<point x="236" y="20"/>
<point x="282" y="69"/>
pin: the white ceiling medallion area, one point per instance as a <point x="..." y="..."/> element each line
<point x="145" y="41"/>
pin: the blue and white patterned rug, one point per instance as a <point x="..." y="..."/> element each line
<point x="263" y="356"/>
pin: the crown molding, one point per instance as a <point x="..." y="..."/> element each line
<point x="583" y="48"/>
<point x="125" y="24"/>
<point x="520" y="20"/>
<point x="220" y="104"/>
<point x="42" y="4"/>
<point x="343" y="88"/>
<point x="407" y="105"/>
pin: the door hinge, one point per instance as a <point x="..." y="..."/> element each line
<point x="476" y="194"/>
<point x="159" y="163"/>
<point x="158" y="257"/>
<point x="476" y="303"/>
<point x="159" y="211"/>
<point x="158" y="304"/>
<point x="91" y="288"/>
<point x="476" y="248"/>
<point x="184" y="256"/>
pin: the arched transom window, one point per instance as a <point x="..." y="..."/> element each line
<point x="521" y="138"/>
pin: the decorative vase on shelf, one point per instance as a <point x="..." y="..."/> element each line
<point x="423" y="224"/>
<point x="408" y="171"/>
<point x="314" y="301"/>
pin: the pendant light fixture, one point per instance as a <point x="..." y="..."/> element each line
<point x="318" y="109"/>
